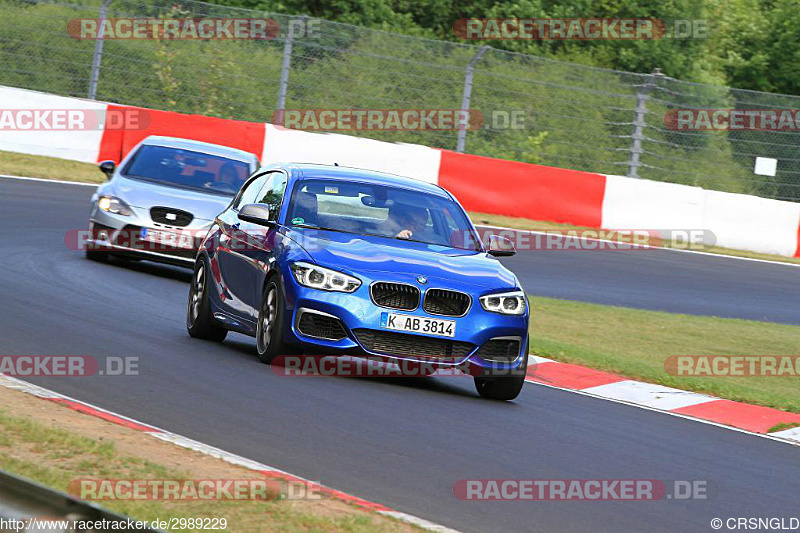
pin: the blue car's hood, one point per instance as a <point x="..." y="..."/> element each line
<point x="443" y="266"/>
<point x="144" y="194"/>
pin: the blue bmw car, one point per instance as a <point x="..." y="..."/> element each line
<point x="335" y="260"/>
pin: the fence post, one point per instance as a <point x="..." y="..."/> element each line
<point x="98" y="53"/>
<point x="285" y="67"/>
<point x="462" y="128"/>
<point x="639" y="122"/>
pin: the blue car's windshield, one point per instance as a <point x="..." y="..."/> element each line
<point x="378" y="210"/>
<point x="187" y="169"/>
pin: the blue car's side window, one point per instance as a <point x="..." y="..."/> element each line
<point x="272" y="193"/>
<point x="250" y="192"/>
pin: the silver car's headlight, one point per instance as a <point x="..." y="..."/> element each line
<point x="507" y="303"/>
<point x="112" y="204"/>
<point x="325" y="279"/>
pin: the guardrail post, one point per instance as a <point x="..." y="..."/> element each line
<point x="639" y="122"/>
<point x="98" y="52"/>
<point x="462" y="128"/>
<point x="285" y="67"/>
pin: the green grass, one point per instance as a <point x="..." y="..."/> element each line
<point x="54" y="457"/>
<point x="636" y="343"/>
<point x="37" y="166"/>
<point x="782" y="427"/>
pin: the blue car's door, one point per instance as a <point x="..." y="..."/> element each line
<point x="251" y="247"/>
<point x="258" y="242"/>
<point x="233" y="269"/>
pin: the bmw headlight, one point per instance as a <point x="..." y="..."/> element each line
<point x="112" y="204"/>
<point x="324" y="279"/>
<point x="506" y="303"/>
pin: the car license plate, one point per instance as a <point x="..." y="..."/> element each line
<point x="418" y="324"/>
<point x="169" y="238"/>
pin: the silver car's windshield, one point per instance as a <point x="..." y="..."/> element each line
<point x="187" y="169"/>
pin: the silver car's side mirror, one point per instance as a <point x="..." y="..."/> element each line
<point x="500" y="246"/>
<point x="107" y="167"/>
<point x="255" y="213"/>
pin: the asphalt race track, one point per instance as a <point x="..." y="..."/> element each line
<point x="401" y="443"/>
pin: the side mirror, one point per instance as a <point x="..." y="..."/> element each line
<point x="500" y="246"/>
<point x="255" y="213"/>
<point x="108" y="167"/>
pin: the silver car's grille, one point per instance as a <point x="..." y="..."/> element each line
<point x="171" y="216"/>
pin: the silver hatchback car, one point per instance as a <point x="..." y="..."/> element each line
<point x="162" y="199"/>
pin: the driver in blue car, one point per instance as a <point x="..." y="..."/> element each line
<point x="405" y="220"/>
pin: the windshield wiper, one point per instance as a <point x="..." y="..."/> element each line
<point x="310" y="226"/>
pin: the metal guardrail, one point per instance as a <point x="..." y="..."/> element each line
<point x="22" y="499"/>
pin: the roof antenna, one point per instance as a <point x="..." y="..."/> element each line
<point x="336" y="164"/>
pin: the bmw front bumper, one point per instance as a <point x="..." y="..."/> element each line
<point x="352" y="323"/>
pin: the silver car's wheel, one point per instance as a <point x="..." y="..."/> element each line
<point x="199" y="322"/>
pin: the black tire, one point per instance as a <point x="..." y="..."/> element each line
<point x="270" y="331"/>
<point x="199" y="322"/>
<point x="96" y="255"/>
<point x="503" y="388"/>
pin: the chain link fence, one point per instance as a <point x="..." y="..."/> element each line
<point x="574" y="116"/>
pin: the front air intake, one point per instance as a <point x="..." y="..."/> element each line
<point x="395" y="295"/>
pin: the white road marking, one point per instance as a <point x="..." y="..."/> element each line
<point x="44" y="180"/>
<point x="656" y="396"/>
<point x="791" y="434"/>
<point x="771" y="436"/>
